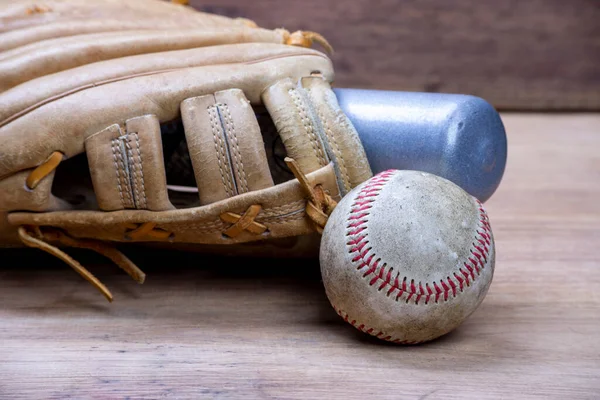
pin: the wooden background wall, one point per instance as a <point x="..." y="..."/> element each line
<point x="517" y="54"/>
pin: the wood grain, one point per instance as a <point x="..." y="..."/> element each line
<point x="224" y="328"/>
<point x="527" y="55"/>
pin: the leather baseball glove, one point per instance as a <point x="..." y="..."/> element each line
<point x="146" y="121"/>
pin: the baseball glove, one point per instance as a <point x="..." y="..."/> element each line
<point x="146" y="121"/>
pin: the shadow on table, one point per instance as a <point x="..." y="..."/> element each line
<point x="191" y="291"/>
<point x="33" y="279"/>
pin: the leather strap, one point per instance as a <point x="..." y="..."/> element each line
<point x="343" y="144"/>
<point x="225" y="145"/>
<point x="314" y="129"/>
<point x="127" y="168"/>
<point x="297" y="124"/>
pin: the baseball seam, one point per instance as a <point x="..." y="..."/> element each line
<point x="384" y="277"/>
<point x="358" y="243"/>
<point x="371" y="331"/>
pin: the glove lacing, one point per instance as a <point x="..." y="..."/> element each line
<point x="318" y="208"/>
<point x="320" y="204"/>
<point x="37" y="238"/>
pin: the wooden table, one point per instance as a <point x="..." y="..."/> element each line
<point x="206" y="327"/>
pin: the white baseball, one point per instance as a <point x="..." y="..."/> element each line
<point x="407" y="256"/>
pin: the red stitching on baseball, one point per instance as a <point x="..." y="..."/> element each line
<point x="358" y="240"/>
<point x="371" y="331"/>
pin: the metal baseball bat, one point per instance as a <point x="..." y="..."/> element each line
<point x="458" y="137"/>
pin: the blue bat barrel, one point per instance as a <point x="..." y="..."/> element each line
<point x="458" y="137"/>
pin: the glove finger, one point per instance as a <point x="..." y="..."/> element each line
<point x="225" y="145"/>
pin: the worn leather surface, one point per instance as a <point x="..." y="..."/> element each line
<point x="54" y="127"/>
<point x="283" y="212"/>
<point x="54" y="55"/>
<point x="39" y="199"/>
<point x="342" y="142"/>
<point x="296" y="123"/>
<point x="102" y="91"/>
<point x="407" y="256"/>
<point x="225" y="144"/>
<point x="20" y="14"/>
<point x="126" y="166"/>
<point x="33" y="94"/>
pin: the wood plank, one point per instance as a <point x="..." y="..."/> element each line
<point x="527" y="55"/>
<point x="206" y="327"/>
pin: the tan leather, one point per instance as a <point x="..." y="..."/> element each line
<point x="296" y="123"/>
<point x="39" y="239"/>
<point x="127" y="168"/>
<point x="244" y="222"/>
<point x="247" y="154"/>
<point x="315" y="130"/>
<point x="320" y="204"/>
<point x="18" y="14"/>
<point x="112" y="186"/>
<point x="33" y="94"/>
<point x="8" y="232"/>
<point x="102" y="77"/>
<point x="283" y="213"/>
<point x="21" y="37"/>
<point x="53" y="128"/>
<point x="54" y="55"/>
<point x="346" y="150"/>
<point x="38" y="199"/>
<point x="149" y="180"/>
<point x="225" y="144"/>
<point x="209" y="153"/>
<point x="122" y="23"/>
<point x="72" y="51"/>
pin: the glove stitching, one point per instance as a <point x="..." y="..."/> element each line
<point x="336" y="150"/>
<point x="220" y="150"/>
<point x="135" y="186"/>
<point x="279" y="214"/>
<point x="124" y="176"/>
<point x="284" y="209"/>
<point x="237" y="155"/>
<point x="141" y="168"/>
<point x="217" y="226"/>
<point x="308" y="126"/>
<point x="114" y="144"/>
<point x="207" y="227"/>
<point x="282" y="219"/>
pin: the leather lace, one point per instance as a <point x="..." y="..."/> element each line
<point x="43" y="237"/>
<point x="43" y="170"/>
<point x="39" y="238"/>
<point x="318" y="208"/>
<point x="306" y="39"/>
<point x="320" y="204"/>
<point x="243" y="222"/>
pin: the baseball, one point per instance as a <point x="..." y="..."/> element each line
<point x="407" y="256"/>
